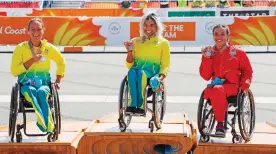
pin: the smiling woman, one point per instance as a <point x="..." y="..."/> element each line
<point x="148" y="58"/>
<point x="31" y="64"/>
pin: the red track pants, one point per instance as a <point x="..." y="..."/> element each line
<point x="218" y="95"/>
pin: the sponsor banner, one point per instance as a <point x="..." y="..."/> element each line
<point x="257" y="31"/>
<point x="59" y="31"/>
<point x="65" y="31"/>
<point x="245" y="13"/>
<point x="180" y="31"/>
<point x="191" y="13"/>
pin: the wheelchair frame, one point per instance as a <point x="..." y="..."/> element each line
<point x="235" y="101"/>
<point x="156" y="119"/>
<point x="20" y="105"/>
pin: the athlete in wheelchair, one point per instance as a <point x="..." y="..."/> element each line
<point x="148" y="61"/>
<point x="34" y="91"/>
<point x="231" y="74"/>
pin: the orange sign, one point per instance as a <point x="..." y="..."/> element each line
<point x="255" y="31"/>
<point x="88" y="12"/>
<point x="59" y="31"/>
<point x="173" y="31"/>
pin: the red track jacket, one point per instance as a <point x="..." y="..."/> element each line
<point x="228" y="65"/>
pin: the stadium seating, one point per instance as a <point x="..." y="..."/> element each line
<point x="19" y="4"/>
<point x="156" y="4"/>
<point x="113" y="4"/>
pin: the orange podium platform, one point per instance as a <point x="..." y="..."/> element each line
<point x="104" y="136"/>
<point x="263" y="142"/>
<point x="71" y="133"/>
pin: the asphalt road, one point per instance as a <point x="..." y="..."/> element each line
<point x="101" y="74"/>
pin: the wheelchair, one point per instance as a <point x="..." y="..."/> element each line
<point x="157" y="111"/>
<point x="20" y="105"/>
<point x="206" y="118"/>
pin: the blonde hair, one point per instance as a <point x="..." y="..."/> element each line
<point x="153" y="17"/>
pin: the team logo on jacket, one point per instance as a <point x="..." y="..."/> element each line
<point x="46" y="51"/>
<point x="233" y="52"/>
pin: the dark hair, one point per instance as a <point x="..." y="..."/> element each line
<point x="36" y="19"/>
<point x="151" y="16"/>
<point x="222" y="26"/>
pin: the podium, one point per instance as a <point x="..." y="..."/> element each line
<point x="177" y="135"/>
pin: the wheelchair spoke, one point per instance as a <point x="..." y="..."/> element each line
<point x="207" y="119"/>
<point x="246" y="116"/>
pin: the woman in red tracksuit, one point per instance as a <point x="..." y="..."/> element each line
<point x="226" y="62"/>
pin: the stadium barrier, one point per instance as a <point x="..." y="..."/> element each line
<point x="84" y="31"/>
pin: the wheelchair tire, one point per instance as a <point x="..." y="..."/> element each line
<point x="201" y="119"/>
<point x="52" y="137"/>
<point x="158" y="117"/>
<point x="123" y="102"/>
<point x="13" y="112"/>
<point x="56" y="114"/>
<point x="246" y="135"/>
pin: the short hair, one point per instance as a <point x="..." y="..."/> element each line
<point x="159" y="24"/>
<point x="36" y="19"/>
<point x="222" y="26"/>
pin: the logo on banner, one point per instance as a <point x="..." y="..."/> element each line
<point x="209" y="27"/>
<point x="173" y="31"/>
<point x="10" y="31"/>
<point x="245" y="13"/>
<point x="114" y="28"/>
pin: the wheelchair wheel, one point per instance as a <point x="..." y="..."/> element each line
<point x="246" y="115"/>
<point x="124" y="120"/>
<point x="205" y="118"/>
<point x="55" y="110"/>
<point x="13" y="111"/>
<point x="159" y="108"/>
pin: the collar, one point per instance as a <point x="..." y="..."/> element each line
<point x="152" y="37"/>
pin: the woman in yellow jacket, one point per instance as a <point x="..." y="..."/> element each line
<point x="31" y="64"/>
<point x="147" y="56"/>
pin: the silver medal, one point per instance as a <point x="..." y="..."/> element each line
<point x="208" y="53"/>
<point x="42" y="59"/>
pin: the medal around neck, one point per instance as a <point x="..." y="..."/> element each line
<point x="42" y="59"/>
<point x="208" y="53"/>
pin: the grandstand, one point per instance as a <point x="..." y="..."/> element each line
<point x="113" y="4"/>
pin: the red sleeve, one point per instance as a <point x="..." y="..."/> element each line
<point x="246" y="71"/>
<point x="205" y="68"/>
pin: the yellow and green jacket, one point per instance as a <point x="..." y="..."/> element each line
<point x="152" y="55"/>
<point x="23" y="53"/>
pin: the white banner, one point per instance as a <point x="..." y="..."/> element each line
<point x="180" y="31"/>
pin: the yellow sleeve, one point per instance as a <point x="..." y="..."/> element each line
<point x="165" y="60"/>
<point x="17" y="67"/>
<point x="129" y="65"/>
<point x="58" y="58"/>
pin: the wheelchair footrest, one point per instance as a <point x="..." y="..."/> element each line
<point x="216" y="135"/>
<point x="135" y="114"/>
